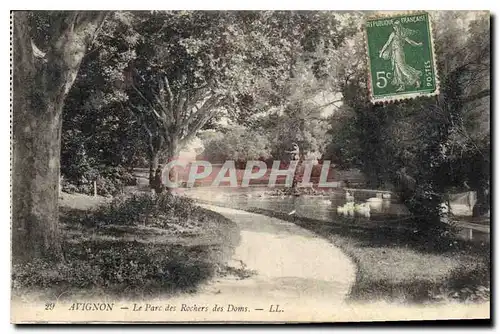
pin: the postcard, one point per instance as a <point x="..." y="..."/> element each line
<point x="250" y="166"/>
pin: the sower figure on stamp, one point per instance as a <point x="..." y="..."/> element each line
<point x="402" y="73"/>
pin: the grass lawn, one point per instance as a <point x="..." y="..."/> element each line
<point x="395" y="264"/>
<point x="132" y="247"/>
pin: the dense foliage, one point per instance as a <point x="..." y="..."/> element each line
<point x="141" y="261"/>
<point x="426" y="147"/>
<point x="239" y="144"/>
<point x="152" y="81"/>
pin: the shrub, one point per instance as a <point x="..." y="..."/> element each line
<point x="470" y="282"/>
<point x="132" y="260"/>
<point x="109" y="180"/>
<point x="126" y="210"/>
<point x="157" y="210"/>
<point x="116" y="266"/>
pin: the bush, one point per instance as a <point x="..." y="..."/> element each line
<point x="470" y="282"/>
<point x="130" y="260"/>
<point x="238" y="143"/>
<point x="119" y="175"/>
<point x="76" y="187"/>
<point x="117" y="266"/>
<point x="126" y="210"/>
<point x="149" y="209"/>
<point x="109" y="180"/>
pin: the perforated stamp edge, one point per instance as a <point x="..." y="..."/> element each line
<point x="401" y="96"/>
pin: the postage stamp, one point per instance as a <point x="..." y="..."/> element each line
<point x="227" y="167"/>
<point x="401" y="57"/>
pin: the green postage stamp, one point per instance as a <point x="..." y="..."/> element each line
<point x="401" y="57"/>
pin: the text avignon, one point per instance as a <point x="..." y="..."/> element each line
<point x="91" y="307"/>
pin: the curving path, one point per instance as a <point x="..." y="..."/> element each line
<point x="289" y="266"/>
<point x="289" y="261"/>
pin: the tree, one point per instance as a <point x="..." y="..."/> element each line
<point x="343" y="144"/>
<point x="182" y="76"/>
<point x="46" y="62"/>
<point x="299" y="122"/>
<point x="466" y="102"/>
<point x="95" y="124"/>
<point x="190" y="66"/>
<point x="239" y="144"/>
<point x="427" y="146"/>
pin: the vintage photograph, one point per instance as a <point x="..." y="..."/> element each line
<point x="250" y="166"/>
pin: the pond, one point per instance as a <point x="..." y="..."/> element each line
<point x="319" y="207"/>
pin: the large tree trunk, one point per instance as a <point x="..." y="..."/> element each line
<point x="35" y="179"/>
<point x="172" y="154"/>
<point x="482" y="205"/>
<point x="40" y="84"/>
<point x="153" y="164"/>
<point x="155" y="146"/>
<point x="173" y="149"/>
<point x="479" y="180"/>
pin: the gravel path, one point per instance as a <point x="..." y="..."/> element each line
<point x="288" y="261"/>
<point x="286" y="266"/>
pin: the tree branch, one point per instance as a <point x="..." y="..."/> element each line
<point x="327" y="105"/>
<point x="180" y="112"/>
<point x="165" y="111"/>
<point x="170" y="96"/>
<point x="147" y="101"/>
<point x="477" y="96"/>
<point x="86" y="22"/>
<point x="143" y="125"/>
<point x="206" y="112"/>
<point x="207" y="105"/>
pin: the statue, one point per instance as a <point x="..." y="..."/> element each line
<point x="294" y="156"/>
<point x="294" y="153"/>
